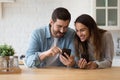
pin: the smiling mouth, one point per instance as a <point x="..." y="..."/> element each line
<point x="81" y="38"/>
<point x="61" y="34"/>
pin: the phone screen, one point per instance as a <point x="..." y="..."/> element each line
<point x="67" y="51"/>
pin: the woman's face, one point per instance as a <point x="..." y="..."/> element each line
<point x="82" y="31"/>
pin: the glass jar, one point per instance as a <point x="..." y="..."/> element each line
<point x="16" y="62"/>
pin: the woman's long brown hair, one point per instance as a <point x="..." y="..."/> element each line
<point x="95" y="36"/>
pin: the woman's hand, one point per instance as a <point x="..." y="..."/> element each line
<point x="69" y="61"/>
<point x="92" y="65"/>
<point x="82" y="63"/>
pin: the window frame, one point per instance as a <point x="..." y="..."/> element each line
<point x="117" y="27"/>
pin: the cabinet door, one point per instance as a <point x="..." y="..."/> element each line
<point x="7" y="0"/>
<point x="107" y="13"/>
<point x="4" y="1"/>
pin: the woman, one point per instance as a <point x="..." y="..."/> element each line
<point x="94" y="46"/>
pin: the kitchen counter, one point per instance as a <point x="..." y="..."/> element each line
<point x="63" y="73"/>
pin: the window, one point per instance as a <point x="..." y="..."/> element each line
<point x="107" y="13"/>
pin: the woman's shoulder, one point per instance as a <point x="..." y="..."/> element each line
<point x="107" y="35"/>
<point x="70" y="32"/>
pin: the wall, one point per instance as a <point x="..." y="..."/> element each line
<point x="116" y="59"/>
<point x="22" y="16"/>
<point x="116" y="35"/>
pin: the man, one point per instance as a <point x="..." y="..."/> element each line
<point x="46" y="43"/>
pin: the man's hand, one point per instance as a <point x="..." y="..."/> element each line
<point x="51" y="52"/>
<point x="69" y="61"/>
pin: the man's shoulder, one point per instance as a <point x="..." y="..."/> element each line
<point x="40" y="29"/>
<point x="71" y="30"/>
<point x="70" y="33"/>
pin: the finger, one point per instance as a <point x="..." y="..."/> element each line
<point x="79" y="62"/>
<point x="71" y="58"/>
<point x="53" y="53"/>
<point x="55" y="50"/>
<point x="60" y="50"/>
<point x="83" y="63"/>
<point x="89" y="65"/>
<point x="66" y="55"/>
<point x="63" y="58"/>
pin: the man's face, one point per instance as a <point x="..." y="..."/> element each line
<point x="59" y="28"/>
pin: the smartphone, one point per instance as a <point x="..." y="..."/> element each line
<point x="85" y="56"/>
<point x="67" y="51"/>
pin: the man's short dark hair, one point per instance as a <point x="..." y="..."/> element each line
<point x="61" y="13"/>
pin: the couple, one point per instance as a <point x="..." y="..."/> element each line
<point x="90" y="46"/>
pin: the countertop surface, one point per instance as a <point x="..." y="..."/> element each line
<point x="63" y="73"/>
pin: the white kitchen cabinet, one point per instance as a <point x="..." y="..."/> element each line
<point x="7" y="0"/>
<point x="107" y="14"/>
<point x="4" y="1"/>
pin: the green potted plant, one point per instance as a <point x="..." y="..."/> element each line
<point x="6" y="50"/>
<point x="6" y="56"/>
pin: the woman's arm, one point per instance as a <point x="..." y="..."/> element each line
<point x="107" y="52"/>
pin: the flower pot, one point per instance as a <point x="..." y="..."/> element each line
<point x="8" y="62"/>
